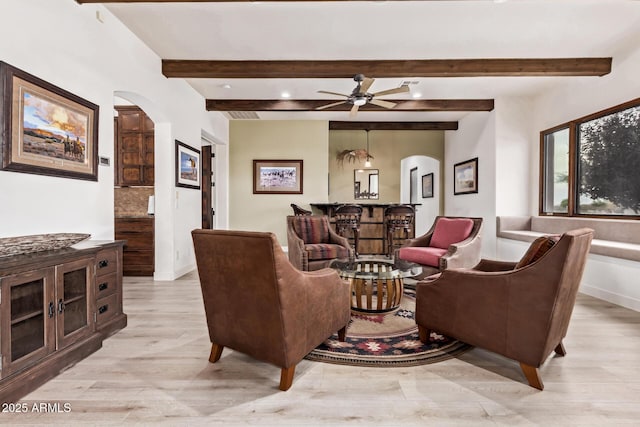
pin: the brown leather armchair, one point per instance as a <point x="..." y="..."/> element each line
<point x="313" y="244"/>
<point x="452" y="242"/>
<point x="519" y="310"/>
<point x="257" y="303"/>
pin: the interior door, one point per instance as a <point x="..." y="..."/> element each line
<point x="208" y="187"/>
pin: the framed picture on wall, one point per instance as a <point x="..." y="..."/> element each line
<point x="413" y="185"/>
<point x="277" y="177"/>
<point x="187" y="166"/>
<point x="44" y="129"/>
<point x="427" y="185"/>
<point x="465" y="177"/>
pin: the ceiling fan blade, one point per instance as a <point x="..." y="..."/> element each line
<point x="400" y="89"/>
<point x="381" y="103"/>
<point x="354" y="111"/>
<point x="366" y="84"/>
<point x="333" y="93"/>
<point x="330" y="105"/>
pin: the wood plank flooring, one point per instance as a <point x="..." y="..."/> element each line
<point x="156" y="372"/>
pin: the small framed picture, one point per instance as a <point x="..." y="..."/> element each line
<point x="277" y="177"/>
<point x="187" y="166"/>
<point x="427" y="185"/>
<point x="465" y="177"/>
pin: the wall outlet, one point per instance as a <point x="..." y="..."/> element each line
<point x="177" y="255"/>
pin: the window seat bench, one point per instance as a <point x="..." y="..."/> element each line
<point x="613" y="237"/>
<point x="613" y="265"/>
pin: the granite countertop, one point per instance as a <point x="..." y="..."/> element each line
<point x="133" y="215"/>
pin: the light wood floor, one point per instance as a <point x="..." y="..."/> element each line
<point x="156" y="372"/>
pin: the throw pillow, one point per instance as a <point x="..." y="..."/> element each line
<point x="538" y="248"/>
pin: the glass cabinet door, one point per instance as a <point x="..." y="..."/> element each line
<point x="73" y="309"/>
<point x="26" y="322"/>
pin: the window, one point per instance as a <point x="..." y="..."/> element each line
<point x="590" y="166"/>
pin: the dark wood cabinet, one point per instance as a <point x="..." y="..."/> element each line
<point x="52" y="314"/>
<point x="139" y="252"/>
<point x="134" y="147"/>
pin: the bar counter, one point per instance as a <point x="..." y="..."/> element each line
<point x="372" y="232"/>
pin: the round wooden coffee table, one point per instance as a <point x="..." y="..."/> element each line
<point x="376" y="285"/>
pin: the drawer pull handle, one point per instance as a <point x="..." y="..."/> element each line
<point x="103" y="309"/>
<point x="104" y="263"/>
<point x="103" y="286"/>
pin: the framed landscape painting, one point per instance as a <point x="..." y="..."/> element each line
<point x="46" y="130"/>
<point x="427" y="185"/>
<point x="187" y="166"/>
<point x="465" y="177"/>
<point x="277" y="177"/>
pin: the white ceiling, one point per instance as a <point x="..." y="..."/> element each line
<point x="383" y="30"/>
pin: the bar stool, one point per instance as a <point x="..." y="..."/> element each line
<point x="297" y="210"/>
<point x="397" y="217"/>
<point x="347" y="218"/>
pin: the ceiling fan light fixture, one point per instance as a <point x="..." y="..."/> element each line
<point x="359" y="101"/>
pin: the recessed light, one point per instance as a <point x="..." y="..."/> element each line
<point x="285" y="95"/>
<point x="226" y="86"/>
<point x="416" y="95"/>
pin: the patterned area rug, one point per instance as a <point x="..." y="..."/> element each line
<point x="387" y="340"/>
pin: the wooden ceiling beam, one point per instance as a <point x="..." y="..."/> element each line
<point x="387" y="68"/>
<point x="312" y="104"/>
<point x="337" y="125"/>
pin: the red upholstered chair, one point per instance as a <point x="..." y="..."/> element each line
<point x="452" y="242"/>
<point x="257" y="303"/>
<point x="519" y="310"/>
<point x="313" y="244"/>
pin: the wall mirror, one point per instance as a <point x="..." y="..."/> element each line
<point x="365" y="184"/>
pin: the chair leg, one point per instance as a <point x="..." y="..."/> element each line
<point x="286" y="377"/>
<point x="424" y="334"/>
<point x="342" y="334"/>
<point x="533" y="376"/>
<point x="216" y="352"/>
<point x="560" y="351"/>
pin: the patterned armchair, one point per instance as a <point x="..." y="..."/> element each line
<point x="313" y="244"/>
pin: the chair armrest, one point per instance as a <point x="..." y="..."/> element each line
<point x="337" y="239"/>
<point x="464" y="254"/>
<point x="297" y="254"/>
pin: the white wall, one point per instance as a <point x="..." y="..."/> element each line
<point x="429" y="208"/>
<point x="475" y="137"/>
<point x="96" y="60"/>
<point x="513" y="133"/>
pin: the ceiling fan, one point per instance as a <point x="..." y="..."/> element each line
<point x="359" y="96"/>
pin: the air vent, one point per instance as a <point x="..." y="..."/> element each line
<point x="409" y="82"/>
<point x="243" y="115"/>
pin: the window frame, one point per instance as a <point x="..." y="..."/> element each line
<point x="573" y="127"/>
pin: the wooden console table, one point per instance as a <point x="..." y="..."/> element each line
<point x="56" y="308"/>
<point x="372" y="233"/>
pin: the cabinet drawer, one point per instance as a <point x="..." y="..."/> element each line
<point x="106" y="285"/>
<point x="106" y="308"/>
<point x="136" y="241"/>
<point x="106" y="262"/>
<point x="138" y="257"/>
<point x="134" y="225"/>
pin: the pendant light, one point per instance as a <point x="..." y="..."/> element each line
<point x="367" y="163"/>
